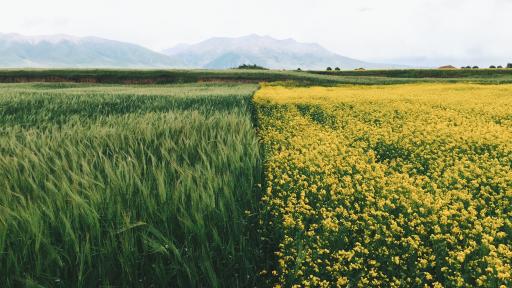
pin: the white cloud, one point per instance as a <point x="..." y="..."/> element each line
<point x="366" y="29"/>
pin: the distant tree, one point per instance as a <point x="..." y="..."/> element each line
<point x="499" y="67"/>
<point x="337" y="69"/>
<point x="249" y="66"/>
<point x="492" y="67"/>
<point x="468" y="67"/>
<point x="509" y="66"/>
<point x="475" y="67"/>
<point x="329" y="69"/>
<point x="298" y="69"/>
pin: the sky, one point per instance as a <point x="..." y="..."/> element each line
<point x="457" y="32"/>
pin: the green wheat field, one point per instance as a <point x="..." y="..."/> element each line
<point x="124" y="185"/>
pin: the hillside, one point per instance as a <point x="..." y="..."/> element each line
<point x="69" y="51"/>
<point x="222" y="52"/>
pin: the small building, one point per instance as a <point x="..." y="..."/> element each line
<point x="447" y="67"/>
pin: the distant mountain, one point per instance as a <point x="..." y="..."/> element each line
<point x="221" y="53"/>
<point x="216" y="53"/>
<point x="69" y="51"/>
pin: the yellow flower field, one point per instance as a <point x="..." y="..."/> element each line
<point x="389" y="186"/>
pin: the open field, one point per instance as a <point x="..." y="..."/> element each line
<point x="388" y="186"/>
<point x="304" y="78"/>
<point x="201" y="184"/>
<point x="109" y="185"/>
<point x="427" y="73"/>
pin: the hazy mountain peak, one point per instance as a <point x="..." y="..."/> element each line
<point x="62" y="50"/>
<point x="226" y="52"/>
<point x="56" y="38"/>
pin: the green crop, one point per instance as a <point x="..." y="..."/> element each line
<point x="106" y="185"/>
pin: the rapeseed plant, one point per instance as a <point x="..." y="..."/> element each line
<point x="389" y="186"/>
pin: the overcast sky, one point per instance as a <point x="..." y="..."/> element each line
<point x="376" y="30"/>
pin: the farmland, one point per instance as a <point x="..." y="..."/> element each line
<point x="389" y="186"/>
<point x="198" y="178"/>
<point x="126" y="185"/>
<point x="302" y="78"/>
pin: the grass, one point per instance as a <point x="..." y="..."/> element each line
<point x="304" y="78"/>
<point x="108" y="185"/>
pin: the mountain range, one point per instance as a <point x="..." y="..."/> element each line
<point x="220" y="53"/>
<point x="69" y="51"/>
<point x="216" y="53"/>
